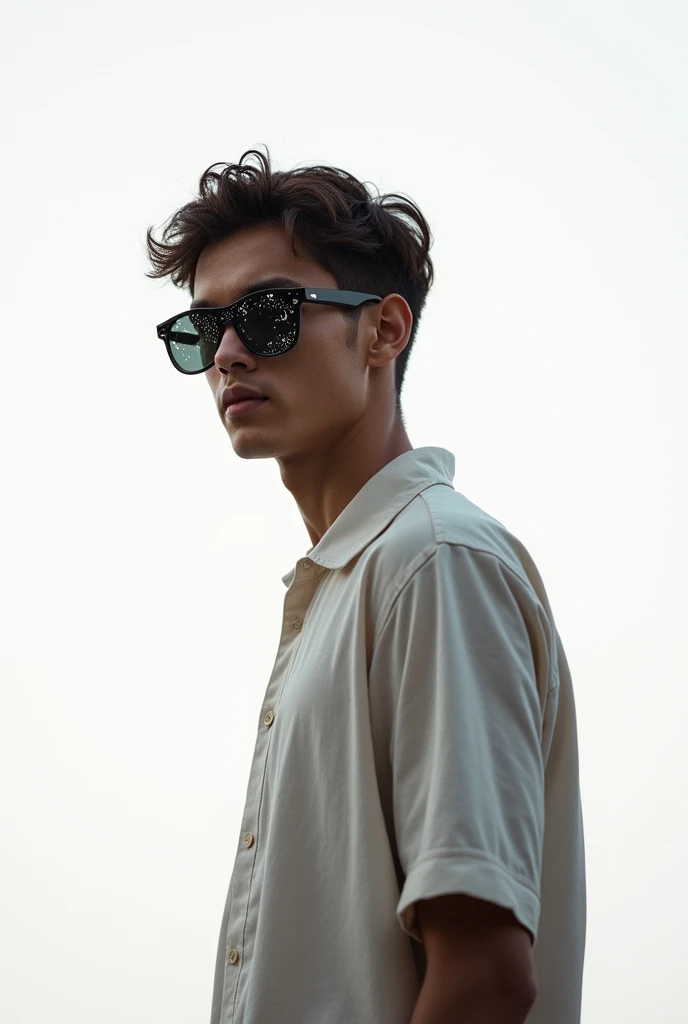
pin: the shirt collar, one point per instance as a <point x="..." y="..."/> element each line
<point x="380" y="499"/>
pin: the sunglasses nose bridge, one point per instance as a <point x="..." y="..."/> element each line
<point x="228" y="319"/>
<point x="223" y="327"/>
<point x="225" y="317"/>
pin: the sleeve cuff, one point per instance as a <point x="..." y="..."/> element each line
<point x="442" y="872"/>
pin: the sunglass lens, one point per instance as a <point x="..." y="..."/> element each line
<point x="193" y="341"/>
<point x="269" y="322"/>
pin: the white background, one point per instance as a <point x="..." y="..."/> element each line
<point x="546" y="144"/>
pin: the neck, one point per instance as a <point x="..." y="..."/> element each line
<point x="324" y="481"/>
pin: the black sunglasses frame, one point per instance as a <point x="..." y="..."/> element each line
<point x="225" y="315"/>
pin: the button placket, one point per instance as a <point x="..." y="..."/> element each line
<point x="294" y="612"/>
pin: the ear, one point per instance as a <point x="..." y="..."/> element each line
<point x="392" y="320"/>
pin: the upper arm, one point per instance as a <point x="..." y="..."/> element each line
<point x="459" y="680"/>
<point x="472" y="943"/>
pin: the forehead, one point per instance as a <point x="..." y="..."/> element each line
<point x="229" y="268"/>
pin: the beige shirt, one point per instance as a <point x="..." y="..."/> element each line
<point x="417" y="738"/>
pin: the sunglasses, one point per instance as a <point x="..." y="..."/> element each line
<point x="267" y="321"/>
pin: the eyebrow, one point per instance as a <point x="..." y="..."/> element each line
<point x="277" y="281"/>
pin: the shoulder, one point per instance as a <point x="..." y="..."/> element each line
<point x="436" y="524"/>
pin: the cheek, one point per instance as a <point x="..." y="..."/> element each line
<point x="335" y="393"/>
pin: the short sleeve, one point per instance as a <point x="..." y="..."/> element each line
<point x="460" y="670"/>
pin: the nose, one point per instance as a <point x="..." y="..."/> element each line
<point x="232" y="350"/>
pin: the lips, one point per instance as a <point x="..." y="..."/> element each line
<point x="239" y="394"/>
<point x="244" y="407"/>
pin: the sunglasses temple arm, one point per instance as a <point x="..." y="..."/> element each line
<point x="339" y="297"/>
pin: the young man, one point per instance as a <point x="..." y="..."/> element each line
<point x="411" y="850"/>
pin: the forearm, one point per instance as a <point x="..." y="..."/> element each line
<point x="439" y="1003"/>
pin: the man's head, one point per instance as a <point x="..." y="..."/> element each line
<point x="318" y="227"/>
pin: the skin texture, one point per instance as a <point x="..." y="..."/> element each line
<point x="330" y="421"/>
<point x="480" y="963"/>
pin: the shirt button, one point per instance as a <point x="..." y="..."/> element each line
<point x="295" y="623"/>
<point x="306" y="563"/>
<point x="269" y="718"/>
<point x="248" y="839"/>
<point x="232" y="956"/>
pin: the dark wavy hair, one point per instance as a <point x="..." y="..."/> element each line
<point x="372" y="243"/>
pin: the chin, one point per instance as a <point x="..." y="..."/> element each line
<point x="253" y="448"/>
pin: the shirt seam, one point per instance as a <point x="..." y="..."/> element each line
<point x="426" y="556"/>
